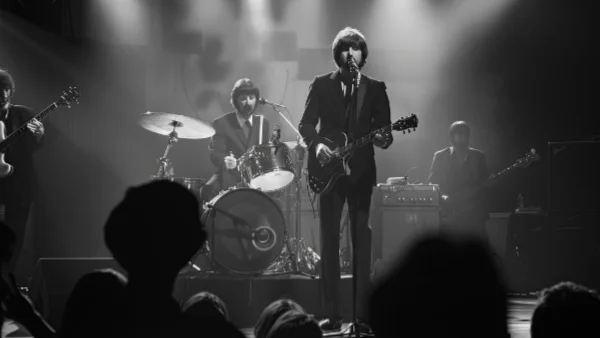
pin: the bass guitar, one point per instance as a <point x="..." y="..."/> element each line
<point x="66" y="97"/>
<point x="322" y="175"/>
<point x="469" y="200"/>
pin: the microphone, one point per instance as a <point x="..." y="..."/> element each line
<point x="263" y="101"/>
<point x="352" y="64"/>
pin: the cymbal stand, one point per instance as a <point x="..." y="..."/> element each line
<point x="301" y="255"/>
<point x="164" y="161"/>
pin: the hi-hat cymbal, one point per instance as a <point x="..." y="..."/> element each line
<point x="186" y="127"/>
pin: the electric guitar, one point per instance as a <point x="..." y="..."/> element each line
<point x="6" y="141"/>
<point x="468" y="200"/>
<point x="322" y="175"/>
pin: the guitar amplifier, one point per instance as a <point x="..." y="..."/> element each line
<point x="410" y="195"/>
<point x="400" y="214"/>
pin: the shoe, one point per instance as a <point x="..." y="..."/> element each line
<point x="331" y="324"/>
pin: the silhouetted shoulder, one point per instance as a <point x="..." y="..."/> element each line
<point x="442" y="153"/>
<point x="477" y="152"/>
<point x="24" y="110"/>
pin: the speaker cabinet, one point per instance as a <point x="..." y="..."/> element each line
<point x="54" y="279"/>
<point x="545" y="249"/>
<point x="574" y="183"/>
<point x="396" y="228"/>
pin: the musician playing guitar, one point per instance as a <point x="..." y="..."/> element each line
<point x="17" y="187"/>
<point x="346" y="101"/>
<point x="460" y="170"/>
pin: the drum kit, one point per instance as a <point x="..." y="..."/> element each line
<point x="248" y="233"/>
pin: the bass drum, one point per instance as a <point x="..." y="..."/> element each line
<point x="246" y="230"/>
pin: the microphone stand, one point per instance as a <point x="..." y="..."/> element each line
<point x="353" y="328"/>
<point x="300" y="245"/>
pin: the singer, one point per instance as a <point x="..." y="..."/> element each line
<point x="235" y="133"/>
<point x="352" y="102"/>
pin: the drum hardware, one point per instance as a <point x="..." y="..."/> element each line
<point x="298" y="258"/>
<point x="303" y="256"/>
<point x="175" y="126"/>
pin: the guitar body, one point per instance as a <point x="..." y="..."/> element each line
<point x="322" y="176"/>
<point x="470" y="202"/>
<point x="5" y="168"/>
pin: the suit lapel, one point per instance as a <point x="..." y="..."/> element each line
<point x="241" y="137"/>
<point x="362" y="90"/>
<point x="336" y="92"/>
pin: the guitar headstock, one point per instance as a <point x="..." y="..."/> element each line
<point x="406" y="123"/>
<point x="68" y="96"/>
<point x="527" y="159"/>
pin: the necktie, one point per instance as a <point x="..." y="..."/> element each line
<point x="349" y="108"/>
<point x="247" y="129"/>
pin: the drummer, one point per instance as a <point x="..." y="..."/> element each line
<point x="235" y="133"/>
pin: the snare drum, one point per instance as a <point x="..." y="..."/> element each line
<point x="267" y="167"/>
<point x="246" y="230"/>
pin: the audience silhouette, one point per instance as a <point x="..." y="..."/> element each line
<point x="566" y="310"/>
<point x="205" y="305"/>
<point x="96" y="306"/>
<point x="271" y="314"/>
<point x="295" y="324"/>
<point x="438" y="281"/>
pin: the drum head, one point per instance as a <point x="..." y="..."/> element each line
<point x="246" y="229"/>
<point x="273" y="181"/>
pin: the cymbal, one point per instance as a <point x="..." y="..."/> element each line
<point x="294" y="144"/>
<point x="186" y="127"/>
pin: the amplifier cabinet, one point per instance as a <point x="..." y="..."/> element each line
<point x="409" y="195"/>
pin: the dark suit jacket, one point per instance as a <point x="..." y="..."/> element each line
<point x="454" y="177"/>
<point x="20" y="186"/>
<point x="325" y="107"/>
<point x="229" y="137"/>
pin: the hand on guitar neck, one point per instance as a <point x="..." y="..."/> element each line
<point x="470" y="198"/>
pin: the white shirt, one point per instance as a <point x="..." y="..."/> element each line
<point x="344" y="86"/>
<point x="242" y="121"/>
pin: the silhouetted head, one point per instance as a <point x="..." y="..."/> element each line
<point x="271" y="313"/>
<point x="244" y="97"/>
<point x="434" y="285"/>
<point x="96" y="306"/>
<point x="205" y="305"/>
<point x="566" y="310"/>
<point x="459" y="134"/>
<point x="295" y="324"/>
<point x="155" y="230"/>
<point x="7" y="88"/>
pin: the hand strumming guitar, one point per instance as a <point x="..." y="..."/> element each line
<point x="324" y="153"/>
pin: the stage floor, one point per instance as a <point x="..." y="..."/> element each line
<point x="520" y="310"/>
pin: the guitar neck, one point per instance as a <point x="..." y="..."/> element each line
<point x="364" y="140"/>
<point x="23" y="129"/>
